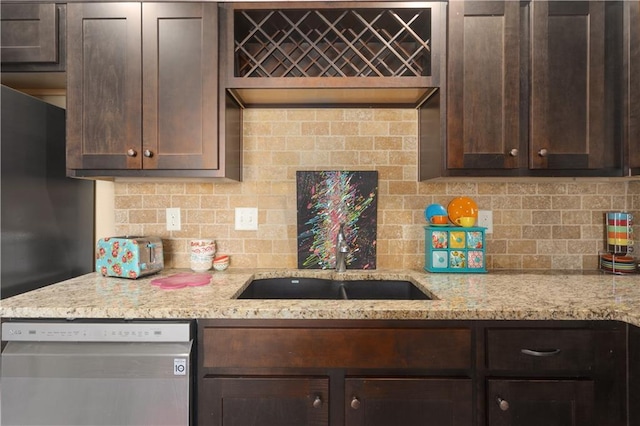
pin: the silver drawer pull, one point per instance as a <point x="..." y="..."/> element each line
<point x="549" y="352"/>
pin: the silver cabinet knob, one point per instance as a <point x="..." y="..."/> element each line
<point x="543" y="152"/>
<point x="131" y="152"/>
<point x="355" y="403"/>
<point x="513" y="152"/>
<point x="148" y="153"/>
<point x="317" y="402"/>
<point x="503" y="404"/>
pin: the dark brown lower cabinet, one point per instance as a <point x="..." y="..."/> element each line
<point x="410" y="373"/>
<point x="540" y="402"/>
<point x="266" y="401"/>
<point x="408" y="402"/>
<point x="634" y="376"/>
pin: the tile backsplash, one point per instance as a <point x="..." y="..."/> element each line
<point x="538" y="223"/>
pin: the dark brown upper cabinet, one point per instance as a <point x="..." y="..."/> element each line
<point x="632" y="85"/>
<point x="142" y="92"/>
<point x="332" y="53"/>
<point x="32" y="37"/>
<point x="534" y="88"/>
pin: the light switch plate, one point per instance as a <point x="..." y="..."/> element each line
<point x="246" y="219"/>
<point x="485" y="219"/>
<point x="173" y="219"/>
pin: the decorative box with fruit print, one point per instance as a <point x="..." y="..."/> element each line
<point x="454" y="249"/>
<point x="129" y="257"/>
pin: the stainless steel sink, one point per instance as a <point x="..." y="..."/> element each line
<point x="318" y="288"/>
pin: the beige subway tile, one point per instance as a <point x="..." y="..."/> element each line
<point x="539" y="232"/>
<point x="306" y="142"/>
<point x="403" y="188"/>
<point x="536" y="202"/>
<point x="201" y="188"/>
<point x="119" y="188"/>
<point x="377" y="158"/>
<point x="185" y="201"/>
<point x="285" y="158"/>
<point x="521" y="246"/>
<point x="187" y="231"/>
<point x="156" y="201"/>
<point x="521" y="188"/>
<point x="141" y="188"/>
<point x="359" y="143"/>
<point x="330" y="114"/>
<point x="199" y="216"/>
<point x="507" y="261"/>
<point x="387" y="172"/>
<point x="566" y="232"/>
<point x="507" y="232"/>
<point x="389" y="232"/>
<point x="568" y="262"/>
<point x="502" y="202"/>
<point x="576" y="217"/>
<point x="374" y="128"/>
<point x="302" y="114"/>
<point x="516" y="217"/>
<point x="313" y="128"/>
<point x="389" y="115"/>
<point x="396" y="217"/>
<point x="402" y="158"/>
<point x="553" y="247"/>
<point x="496" y="246"/>
<point x="358" y="114"/>
<point x="214" y="202"/>
<point x="256" y="245"/>
<point x="546" y="217"/>
<point x="314" y="158"/>
<point x="257" y="128"/>
<point x="596" y="202"/>
<point x="243" y="260"/>
<point x="215" y="230"/>
<point x="566" y="202"/>
<point x="536" y="262"/>
<point x="128" y="201"/>
<point x="492" y="188"/>
<point x="343" y="159"/>
<point x="582" y="188"/>
<point x="552" y="188"/>
<point x="402" y="129"/>
<point x="461" y="189"/>
<point x="330" y="143"/>
<point x="344" y="128"/>
<point x="583" y="247"/>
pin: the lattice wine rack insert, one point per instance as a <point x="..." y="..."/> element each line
<point x="333" y="43"/>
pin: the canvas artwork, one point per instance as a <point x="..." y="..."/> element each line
<point x="327" y="199"/>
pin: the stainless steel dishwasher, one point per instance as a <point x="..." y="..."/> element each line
<point x="92" y="373"/>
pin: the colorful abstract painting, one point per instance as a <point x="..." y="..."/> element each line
<point x="325" y="201"/>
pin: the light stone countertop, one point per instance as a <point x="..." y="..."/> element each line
<point x="508" y="296"/>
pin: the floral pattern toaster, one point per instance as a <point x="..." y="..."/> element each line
<point x="129" y="257"/>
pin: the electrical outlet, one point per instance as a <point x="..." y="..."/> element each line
<point x="173" y="219"/>
<point x="246" y="219"/>
<point x="485" y="219"/>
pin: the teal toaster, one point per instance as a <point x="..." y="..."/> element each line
<point x="129" y="257"/>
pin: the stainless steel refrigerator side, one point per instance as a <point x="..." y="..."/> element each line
<point x="47" y="219"/>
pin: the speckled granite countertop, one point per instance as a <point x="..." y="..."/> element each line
<point x="512" y="296"/>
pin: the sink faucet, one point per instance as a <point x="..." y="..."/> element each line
<point x="342" y="248"/>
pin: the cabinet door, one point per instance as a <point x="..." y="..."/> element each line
<point x="237" y="401"/>
<point x="632" y="115"/>
<point x="634" y="375"/>
<point x="408" y="402"/>
<point x="483" y="117"/>
<point x="29" y="32"/>
<point x="568" y="86"/>
<point x="180" y="92"/>
<point x="540" y="402"/>
<point x="104" y="91"/>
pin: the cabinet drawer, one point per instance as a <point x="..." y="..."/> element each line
<point x="538" y="350"/>
<point x="448" y="348"/>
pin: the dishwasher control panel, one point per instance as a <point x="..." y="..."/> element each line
<point x="52" y="331"/>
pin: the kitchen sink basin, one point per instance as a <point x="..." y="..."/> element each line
<point x="319" y="288"/>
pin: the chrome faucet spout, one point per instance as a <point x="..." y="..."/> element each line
<point x="342" y="248"/>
